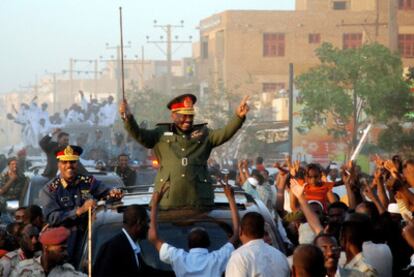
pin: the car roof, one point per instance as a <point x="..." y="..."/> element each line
<point x="112" y="213"/>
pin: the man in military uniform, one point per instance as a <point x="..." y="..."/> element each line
<point x="127" y="174"/>
<point x="67" y="198"/>
<point x="13" y="184"/>
<point x="53" y="261"/>
<point x="182" y="150"/>
<point x="29" y="248"/>
<point x="50" y="147"/>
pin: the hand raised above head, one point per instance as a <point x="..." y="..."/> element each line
<point x="296" y="188"/>
<point x="124" y="108"/>
<point x="243" y="107"/>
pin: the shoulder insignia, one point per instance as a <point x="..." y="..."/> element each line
<point x="200" y="125"/>
<point x="53" y="186"/>
<point x="85" y="179"/>
<point x="197" y="134"/>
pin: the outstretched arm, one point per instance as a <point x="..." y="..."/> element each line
<point x="228" y="191"/>
<point x="311" y="217"/>
<point x="147" y="138"/>
<point x="153" y="232"/>
<point x="220" y="136"/>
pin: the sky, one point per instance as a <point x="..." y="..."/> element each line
<point x="38" y="37"/>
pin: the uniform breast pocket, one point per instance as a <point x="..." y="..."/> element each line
<point x="168" y="139"/>
<point x="67" y="201"/>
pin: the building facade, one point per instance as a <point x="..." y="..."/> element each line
<point x="248" y="52"/>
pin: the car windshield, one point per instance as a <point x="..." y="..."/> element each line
<point x="172" y="233"/>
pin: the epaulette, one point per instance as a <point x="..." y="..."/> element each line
<point x="11" y="255"/>
<point x="85" y="179"/>
<point x="200" y="125"/>
<point x="163" y="124"/>
<point x="53" y="186"/>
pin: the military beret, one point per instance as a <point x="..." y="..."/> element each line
<point x="68" y="153"/>
<point x="54" y="236"/>
<point x="183" y="104"/>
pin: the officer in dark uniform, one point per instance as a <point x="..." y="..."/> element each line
<point x="182" y="150"/>
<point x="67" y="198"/>
<point x="50" y="147"/>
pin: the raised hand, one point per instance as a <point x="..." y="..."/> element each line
<point x="243" y="108"/>
<point x="228" y="190"/>
<point x="124" y="109"/>
<point x="378" y="161"/>
<point x="390" y="166"/>
<point x="367" y="190"/>
<point x="296" y="188"/>
<point x="116" y="194"/>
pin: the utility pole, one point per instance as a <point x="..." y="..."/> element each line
<point x="168" y="52"/>
<point x="141" y="71"/>
<point x="392" y="25"/>
<point x="54" y="88"/>
<point x="73" y="62"/>
<point x="291" y="79"/>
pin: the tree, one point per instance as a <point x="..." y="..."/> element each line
<point x="352" y="86"/>
<point x="148" y="105"/>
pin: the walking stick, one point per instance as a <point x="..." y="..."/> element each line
<point x="122" y="61"/>
<point x="90" y="242"/>
<point x="122" y="55"/>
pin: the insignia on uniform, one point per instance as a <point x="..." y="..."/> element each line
<point x="53" y="186"/>
<point x="197" y="134"/>
<point x="168" y="133"/>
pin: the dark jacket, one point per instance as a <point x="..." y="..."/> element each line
<point x="116" y="258"/>
<point x="49" y="147"/>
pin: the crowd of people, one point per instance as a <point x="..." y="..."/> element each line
<point x="333" y="221"/>
<point x="365" y="230"/>
<point x="36" y="121"/>
<point x="368" y="231"/>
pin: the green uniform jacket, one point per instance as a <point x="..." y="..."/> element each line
<point x="183" y="160"/>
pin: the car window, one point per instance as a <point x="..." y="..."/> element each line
<point x="173" y="233"/>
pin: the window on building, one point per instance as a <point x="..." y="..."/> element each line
<point x="406" y="45"/>
<point x="273" y="87"/>
<point x="314" y="38"/>
<point x="352" y="40"/>
<point x="406" y="4"/>
<point x="273" y="45"/>
<point x="204" y="47"/>
<point x="339" y="5"/>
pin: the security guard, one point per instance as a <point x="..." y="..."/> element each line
<point x="182" y="150"/>
<point x="68" y="197"/>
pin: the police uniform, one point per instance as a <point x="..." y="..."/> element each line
<point x="60" y="199"/>
<point x="29" y="268"/>
<point x="9" y="261"/>
<point x="183" y="155"/>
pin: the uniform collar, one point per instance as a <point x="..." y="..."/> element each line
<point x="65" y="183"/>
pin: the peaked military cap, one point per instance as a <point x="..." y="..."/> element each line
<point x="69" y="153"/>
<point x="183" y="104"/>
